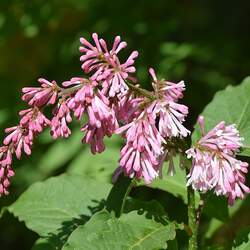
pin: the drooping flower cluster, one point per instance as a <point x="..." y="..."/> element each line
<point x="19" y="139"/>
<point x="112" y="101"/>
<point x="139" y="157"/>
<point x="215" y="165"/>
<point x="101" y="97"/>
<point x="144" y="153"/>
<point x="171" y="114"/>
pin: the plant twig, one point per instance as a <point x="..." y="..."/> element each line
<point x="132" y="184"/>
<point x="200" y="208"/>
<point x="141" y="91"/>
<point x="192" y="216"/>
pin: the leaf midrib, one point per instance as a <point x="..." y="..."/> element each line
<point x="137" y="243"/>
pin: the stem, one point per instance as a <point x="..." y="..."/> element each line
<point x="192" y="222"/>
<point x="132" y="184"/>
<point x="192" y="219"/>
<point x="69" y="91"/>
<point x="200" y="208"/>
<point x="141" y="91"/>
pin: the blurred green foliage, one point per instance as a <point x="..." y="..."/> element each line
<point x="205" y="43"/>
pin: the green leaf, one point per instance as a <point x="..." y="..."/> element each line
<point x="242" y="241"/>
<point x="176" y="185"/>
<point x="150" y="208"/>
<point x="231" y="105"/>
<point x="215" y="224"/>
<point x="130" y="231"/>
<point x="118" y="194"/>
<point x="55" y="207"/>
<point x="216" y="207"/>
<point x="60" y="153"/>
<point x="99" y="166"/>
<point x="42" y="244"/>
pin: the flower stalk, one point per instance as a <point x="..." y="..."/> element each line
<point x="141" y="91"/>
<point x="193" y="223"/>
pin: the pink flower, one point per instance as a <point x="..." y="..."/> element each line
<point x="59" y="126"/>
<point x="221" y="137"/>
<point x="127" y="108"/>
<point x="106" y="66"/>
<point x="171" y="114"/>
<point x="95" y="135"/>
<point x="91" y="100"/>
<point x="83" y="96"/>
<point x="214" y="164"/>
<point x="102" y="120"/>
<point x="6" y="171"/>
<point x="20" y="138"/>
<point x="40" y="96"/>
<point x="139" y="157"/>
<point x="116" y="80"/>
<point x="171" y="91"/>
<point x="33" y="119"/>
<point x="97" y="57"/>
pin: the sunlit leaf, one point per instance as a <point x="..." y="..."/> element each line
<point x="231" y="105"/>
<point x="54" y="208"/>
<point x="130" y="231"/>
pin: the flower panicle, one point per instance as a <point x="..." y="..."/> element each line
<point x="214" y="163"/>
<point x="114" y="103"/>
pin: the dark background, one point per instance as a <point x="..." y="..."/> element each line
<point x="205" y="43"/>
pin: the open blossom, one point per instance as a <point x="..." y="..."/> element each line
<point x="39" y="96"/>
<point x="139" y="157"/>
<point x="214" y="164"/>
<point x="171" y="91"/>
<point x="116" y="80"/>
<point x="105" y="64"/>
<point x="222" y="137"/>
<point x="171" y="114"/>
<point x="6" y="171"/>
<point x="59" y="123"/>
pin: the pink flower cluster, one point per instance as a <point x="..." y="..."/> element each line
<point x="105" y="65"/>
<point x="103" y="97"/>
<point x="162" y="118"/>
<point x="214" y="163"/>
<point x="149" y="121"/>
<point x="139" y="157"/>
<point x="19" y="139"/>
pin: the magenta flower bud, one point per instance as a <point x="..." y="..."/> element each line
<point x="139" y="157"/>
<point x="6" y="171"/>
<point x="59" y="123"/>
<point x="105" y="65"/>
<point x="40" y="96"/>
